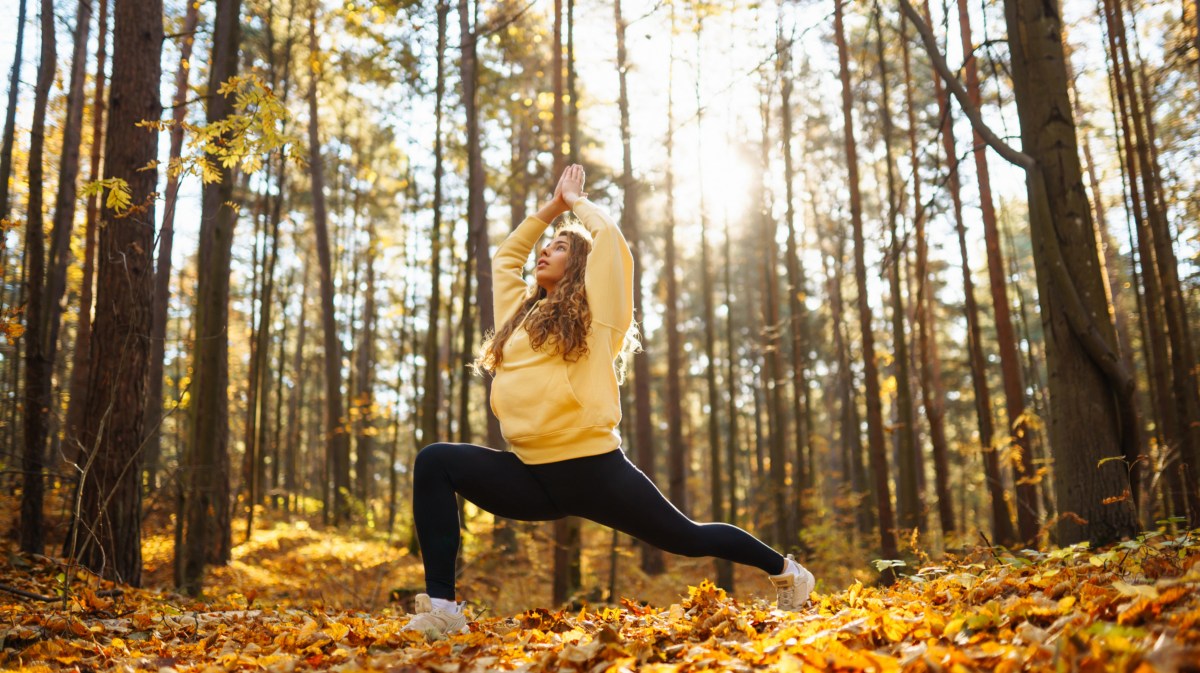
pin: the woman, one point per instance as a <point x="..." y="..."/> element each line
<point x="556" y="361"/>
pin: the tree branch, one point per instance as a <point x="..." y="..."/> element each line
<point x="956" y="87"/>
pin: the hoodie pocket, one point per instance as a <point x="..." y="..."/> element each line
<point x="532" y="401"/>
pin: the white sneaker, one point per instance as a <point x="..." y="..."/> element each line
<point x="793" y="588"/>
<point x="435" y="623"/>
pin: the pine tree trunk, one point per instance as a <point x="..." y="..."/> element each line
<point x="875" y="441"/>
<point x="291" y="478"/>
<point x="364" y="393"/>
<point x="81" y="365"/>
<point x="64" y="205"/>
<point x="10" y="115"/>
<point x="207" y="516"/>
<point x="796" y="292"/>
<point x="908" y="499"/>
<point x="110" y="498"/>
<point x="1137" y="470"/>
<point x="849" y="434"/>
<point x="431" y="390"/>
<point x="337" y="444"/>
<point x="652" y="558"/>
<point x="932" y="393"/>
<point x="782" y="514"/>
<point x="37" y="361"/>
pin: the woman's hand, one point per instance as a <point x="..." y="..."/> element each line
<point x="568" y="190"/>
<point x="570" y="185"/>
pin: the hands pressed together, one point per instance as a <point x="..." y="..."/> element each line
<point x="568" y="190"/>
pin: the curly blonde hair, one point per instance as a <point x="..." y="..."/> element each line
<point x="563" y="320"/>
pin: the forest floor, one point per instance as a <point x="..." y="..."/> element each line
<point x="296" y="599"/>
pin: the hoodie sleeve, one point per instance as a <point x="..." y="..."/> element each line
<point x="609" y="276"/>
<point x="508" y="285"/>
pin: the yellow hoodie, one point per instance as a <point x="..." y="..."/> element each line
<point x="551" y="409"/>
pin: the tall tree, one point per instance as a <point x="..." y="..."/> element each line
<point x="796" y="291"/>
<point x="875" y="441"/>
<point x="81" y="364"/>
<point x="166" y="238"/>
<point x="337" y="443"/>
<point x="652" y="558"/>
<point x="431" y="390"/>
<point x="908" y="501"/>
<point x="10" y="113"/>
<point x="930" y="377"/>
<point x="108" y="531"/>
<point x="364" y="382"/>
<point x="783" y="515"/>
<point x="37" y="366"/>
<point x="206" y="514"/>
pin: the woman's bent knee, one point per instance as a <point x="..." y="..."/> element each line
<point x="430" y="456"/>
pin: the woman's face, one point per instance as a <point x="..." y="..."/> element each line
<point x="552" y="262"/>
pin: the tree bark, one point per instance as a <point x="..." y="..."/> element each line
<point x="37" y="361"/>
<point x="108" y="531"/>
<point x="875" y="441"/>
<point x="207" y="512"/>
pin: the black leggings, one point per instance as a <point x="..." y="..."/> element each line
<point x="607" y="489"/>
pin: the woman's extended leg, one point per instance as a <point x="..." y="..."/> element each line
<point x="496" y="481"/>
<point x="610" y="490"/>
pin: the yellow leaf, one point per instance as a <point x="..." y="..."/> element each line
<point x="1139" y="590"/>
<point x="337" y="631"/>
